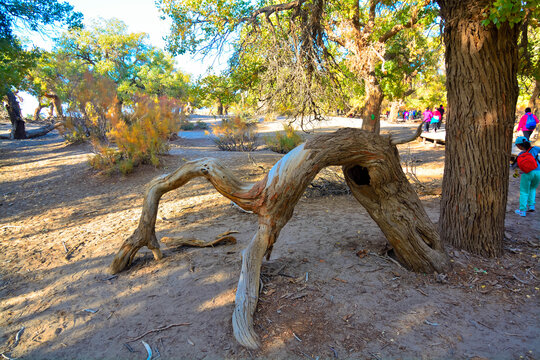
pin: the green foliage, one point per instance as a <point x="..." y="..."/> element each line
<point x="187" y="125"/>
<point x="33" y="15"/>
<point x="216" y="91"/>
<point x="196" y="24"/>
<point x="283" y="143"/>
<point x="15" y="60"/>
<point x="107" y="49"/>
<point x="311" y="58"/>
<point x="511" y="11"/>
<point x="235" y="134"/>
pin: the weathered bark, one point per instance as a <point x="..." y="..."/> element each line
<point x="534" y="102"/>
<point x="372" y="169"/>
<point x="372" y="111"/>
<point x="219" y="107"/>
<point x="394" y="110"/>
<point x="14" y="111"/>
<point x="37" y="111"/>
<point x="481" y="68"/>
<point x="34" y="133"/>
<point x="56" y="105"/>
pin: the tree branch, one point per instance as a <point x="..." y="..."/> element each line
<point x="271" y="9"/>
<point x="397" y="28"/>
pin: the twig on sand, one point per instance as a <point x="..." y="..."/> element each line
<point x="387" y="258"/>
<point x="521" y="281"/>
<point x="158" y="329"/>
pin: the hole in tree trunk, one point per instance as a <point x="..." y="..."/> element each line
<point x="359" y="174"/>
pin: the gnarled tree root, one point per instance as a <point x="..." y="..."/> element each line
<point x="372" y="170"/>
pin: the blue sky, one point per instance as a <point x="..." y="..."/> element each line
<point x="139" y="16"/>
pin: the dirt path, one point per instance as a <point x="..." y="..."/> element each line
<point x="60" y="225"/>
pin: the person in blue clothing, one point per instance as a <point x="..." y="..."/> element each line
<point x="529" y="181"/>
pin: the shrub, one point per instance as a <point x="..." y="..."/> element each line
<point x="122" y="135"/>
<point x="283" y="143"/>
<point x="199" y="125"/>
<point x="235" y="134"/>
<point x="139" y="137"/>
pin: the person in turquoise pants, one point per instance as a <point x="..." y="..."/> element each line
<point x="529" y="181"/>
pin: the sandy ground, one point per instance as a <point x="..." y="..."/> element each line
<point x="323" y="297"/>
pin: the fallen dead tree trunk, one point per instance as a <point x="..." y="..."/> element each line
<point x="372" y="169"/>
<point x="34" y="133"/>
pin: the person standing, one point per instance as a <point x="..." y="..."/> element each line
<point x="441" y="110"/>
<point x="436" y="120"/>
<point x="427" y="119"/>
<point x="529" y="163"/>
<point x="527" y="123"/>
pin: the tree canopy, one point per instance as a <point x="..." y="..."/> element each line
<point x="307" y="48"/>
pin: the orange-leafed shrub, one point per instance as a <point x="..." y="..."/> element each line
<point x="235" y="134"/>
<point x="138" y="136"/>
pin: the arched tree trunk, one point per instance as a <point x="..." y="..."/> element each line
<point x="481" y="68"/>
<point x="56" y="104"/>
<point x="38" y="109"/>
<point x="14" y="110"/>
<point x="373" y="171"/>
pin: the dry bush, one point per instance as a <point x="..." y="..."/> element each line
<point x="94" y="103"/>
<point x="235" y="134"/>
<point x="139" y="136"/>
<point x="122" y="136"/>
<point x="284" y="142"/>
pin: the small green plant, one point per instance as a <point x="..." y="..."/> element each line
<point x="201" y="125"/>
<point x="284" y="142"/>
<point x="235" y="134"/>
<point x="187" y="126"/>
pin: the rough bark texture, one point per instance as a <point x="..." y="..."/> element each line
<point x="37" y="111"/>
<point x="14" y="111"/>
<point x="372" y="110"/>
<point x="481" y="68"/>
<point x="57" y="105"/>
<point x="394" y="110"/>
<point x="534" y="102"/>
<point x="372" y="169"/>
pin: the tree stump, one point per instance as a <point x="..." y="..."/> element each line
<point x="372" y="169"/>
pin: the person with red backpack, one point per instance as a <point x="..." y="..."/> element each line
<point x="528" y="162"/>
<point x="527" y="123"/>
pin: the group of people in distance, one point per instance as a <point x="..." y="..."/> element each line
<point x="434" y="118"/>
<point x="409" y="115"/>
<point x="528" y="163"/>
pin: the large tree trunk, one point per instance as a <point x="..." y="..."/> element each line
<point x="14" y="111"/>
<point x="394" y="110"/>
<point x="481" y="68"/>
<point x="56" y="105"/>
<point x="219" y="107"/>
<point x="37" y="111"/>
<point x="534" y="102"/>
<point x="372" y="168"/>
<point x="372" y="110"/>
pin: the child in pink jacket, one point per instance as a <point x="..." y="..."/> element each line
<point x="523" y="121"/>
